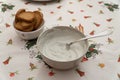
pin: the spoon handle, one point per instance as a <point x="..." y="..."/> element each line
<point x="104" y="33"/>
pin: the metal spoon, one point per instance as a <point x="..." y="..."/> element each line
<point x="104" y="33"/>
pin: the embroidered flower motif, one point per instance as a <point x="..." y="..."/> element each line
<point x="7" y="60"/>
<point x="96" y="24"/>
<point x="28" y="2"/>
<point x="7" y="25"/>
<point x="30" y="43"/>
<point x="118" y="75"/>
<point x="86" y="17"/>
<point x="6" y="7"/>
<point x="110" y="40"/>
<point x="81" y="10"/>
<point x="60" y="18"/>
<point x="80" y="28"/>
<point x="73" y="20"/>
<point x="32" y="66"/>
<point x="101" y="65"/>
<point x="51" y="73"/>
<point x="51" y="12"/>
<point x="12" y="74"/>
<point x="118" y="59"/>
<point x="109" y="20"/>
<point x="81" y="73"/>
<point x="80" y="0"/>
<point x="111" y="7"/>
<point x="71" y="12"/>
<point x="70" y="2"/>
<point x="101" y="12"/>
<point x="100" y="2"/>
<point x="9" y="42"/>
<point x="84" y="59"/>
<point x="59" y="7"/>
<point x="90" y="6"/>
<point x="92" y="32"/>
<point x="91" y="51"/>
<point x="30" y="78"/>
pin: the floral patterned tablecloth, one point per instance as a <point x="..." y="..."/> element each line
<point x="20" y="60"/>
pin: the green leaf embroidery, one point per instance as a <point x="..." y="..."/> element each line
<point x="88" y="54"/>
<point x="111" y="7"/>
<point x="92" y="46"/>
<point x="5" y="7"/>
<point x="95" y="51"/>
<point x="39" y="57"/>
<point x="91" y="51"/>
<point x="30" y="78"/>
<point x="10" y="7"/>
<point x="30" y="43"/>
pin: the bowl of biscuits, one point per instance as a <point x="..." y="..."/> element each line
<point x="28" y="24"/>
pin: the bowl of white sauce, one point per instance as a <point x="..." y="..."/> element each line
<point x="52" y="47"/>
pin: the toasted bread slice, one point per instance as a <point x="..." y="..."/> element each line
<point x="18" y="12"/>
<point x="18" y="26"/>
<point x="39" y="19"/>
<point x="26" y="16"/>
<point x="28" y="29"/>
<point x="26" y="24"/>
<point x="21" y="28"/>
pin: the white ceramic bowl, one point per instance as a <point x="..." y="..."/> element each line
<point x="30" y="35"/>
<point x="47" y="42"/>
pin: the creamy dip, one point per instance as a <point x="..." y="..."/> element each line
<point x="54" y="45"/>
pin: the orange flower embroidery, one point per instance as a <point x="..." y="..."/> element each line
<point x="101" y="65"/>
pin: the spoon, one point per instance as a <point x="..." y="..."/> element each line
<point x="104" y="33"/>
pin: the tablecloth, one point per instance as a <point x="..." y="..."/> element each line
<point x="20" y="60"/>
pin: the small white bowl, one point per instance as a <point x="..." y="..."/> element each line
<point x="48" y="45"/>
<point x="30" y="35"/>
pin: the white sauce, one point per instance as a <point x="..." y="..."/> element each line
<point x="54" y="47"/>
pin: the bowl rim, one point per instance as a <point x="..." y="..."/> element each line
<point x="86" y="41"/>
